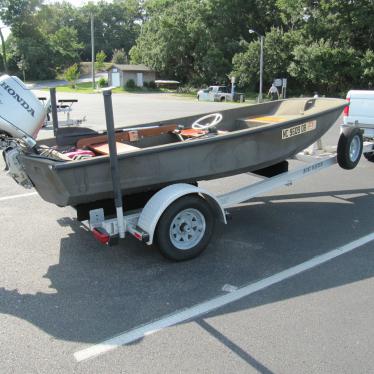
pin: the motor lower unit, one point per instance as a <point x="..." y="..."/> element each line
<point x="15" y="168"/>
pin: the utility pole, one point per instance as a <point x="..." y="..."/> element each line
<point x="251" y="31"/>
<point x="93" y="50"/>
<point x="261" y="65"/>
<point x="4" y="51"/>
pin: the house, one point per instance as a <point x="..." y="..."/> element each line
<point x="119" y="74"/>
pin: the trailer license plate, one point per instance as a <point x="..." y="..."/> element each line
<point x="299" y="129"/>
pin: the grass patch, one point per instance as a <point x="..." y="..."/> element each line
<point x="85" y="87"/>
<point x="136" y="90"/>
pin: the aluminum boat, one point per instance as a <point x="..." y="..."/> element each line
<point x="151" y="156"/>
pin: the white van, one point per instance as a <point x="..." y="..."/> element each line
<point x="360" y="111"/>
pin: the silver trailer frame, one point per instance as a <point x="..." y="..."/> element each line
<point x="143" y="223"/>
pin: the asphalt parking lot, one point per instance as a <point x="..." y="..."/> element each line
<point x="270" y="304"/>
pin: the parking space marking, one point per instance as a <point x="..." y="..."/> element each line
<point x="17" y="196"/>
<point x="218" y="302"/>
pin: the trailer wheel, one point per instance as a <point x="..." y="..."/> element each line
<point x="350" y="148"/>
<point x="185" y="228"/>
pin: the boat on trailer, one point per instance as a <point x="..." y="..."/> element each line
<point x="155" y="167"/>
<point x="154" y="155"/>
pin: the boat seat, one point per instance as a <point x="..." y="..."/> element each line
<point x="103" y="148"/>
<point x="244" y="123"/>
<point x="131" y="135"/>
<point x="296" y="107"/>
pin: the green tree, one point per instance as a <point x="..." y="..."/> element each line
<point x="116" y="25"/>
<point x="367" y="65"/>
<point x="194" y="41"/>
<point x="54" y="36"/>
<point x="65" y="47"/>
<point x="318" y="45"/>
<point x="321" y="66"/>
<point x="18" y="14"/>
<point x="278" y="47"/>
<point x="27" y="44"/>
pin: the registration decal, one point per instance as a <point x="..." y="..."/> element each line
<point x="299" y="129"/>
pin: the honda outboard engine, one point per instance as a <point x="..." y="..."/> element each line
<point x="21" y="117"/>
<point x="21" y="113"/>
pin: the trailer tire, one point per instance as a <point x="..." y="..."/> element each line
<point x="350" y="148"/>
<point x="185" y="228"/>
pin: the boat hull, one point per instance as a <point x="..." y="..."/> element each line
<point x="151" y="168"/>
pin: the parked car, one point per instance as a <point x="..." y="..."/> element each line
<point x="219" y="93"/>
<point x="214" y="93"/>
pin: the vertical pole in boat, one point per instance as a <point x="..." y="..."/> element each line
<point x="52" y="93"/>
<point x="114" y="161"/>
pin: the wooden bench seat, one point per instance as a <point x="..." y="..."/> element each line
<point x="103" y="148"/>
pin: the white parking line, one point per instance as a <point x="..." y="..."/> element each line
<point x="18" y="196"/>
<point x="218" y="302"/>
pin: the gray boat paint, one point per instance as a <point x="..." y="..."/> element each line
<point x="249" y="149"/>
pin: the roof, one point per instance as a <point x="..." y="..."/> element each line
<point x="124" y="67"/>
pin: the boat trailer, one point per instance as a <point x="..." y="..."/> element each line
<point x="181" y="217"/>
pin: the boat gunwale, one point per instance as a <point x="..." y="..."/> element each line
<point x="61" y="165"/>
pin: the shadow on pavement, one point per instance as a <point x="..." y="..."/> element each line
<point x="100" y="292"/>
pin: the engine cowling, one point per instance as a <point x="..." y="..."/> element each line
<point x="21" y="113"/>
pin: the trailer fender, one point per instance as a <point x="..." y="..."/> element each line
<point x="156" y="206"/>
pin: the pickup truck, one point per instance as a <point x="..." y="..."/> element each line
<point x="218" y="93"/>
<point x="360" y="113"/>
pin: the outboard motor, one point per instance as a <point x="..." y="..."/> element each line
<point x="21" y="117"/>
<point x="21" y="113"/>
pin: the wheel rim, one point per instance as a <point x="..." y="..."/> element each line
<point x="187" y="229"/>
<point x="354" y="148"/>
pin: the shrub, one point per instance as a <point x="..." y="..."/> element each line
<point x="72" y="74"/>
<point x="102" y="82"/>
<point x="186" y="90"/>
<point x="119" y="56"/>
<point x="145" y="84"/>
<point x="100" y="58"/>
<point x="130" y="84"/>
<point x="152" y="85"/>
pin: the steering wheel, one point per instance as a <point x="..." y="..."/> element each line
<point x="216" y="119"/>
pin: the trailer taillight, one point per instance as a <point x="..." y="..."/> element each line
<point x="101" y="235"/>
<point x="346" y="109"/>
